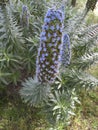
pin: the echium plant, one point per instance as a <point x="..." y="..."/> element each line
<point x="48" y="59"/>
<point x="50" y="46"/>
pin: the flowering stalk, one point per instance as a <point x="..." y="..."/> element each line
<point x="50" y="47"/>
<point x="25" y="16"/>
<point x="90" y="4"/>
<point x="66" y="50"/>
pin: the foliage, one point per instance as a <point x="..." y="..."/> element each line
<point x="16" y="46"/>
<point x="61" y="106"/>
<point x="18" y="52"/>
<point x="34" y="92"/>
<point x="11" y="38"/>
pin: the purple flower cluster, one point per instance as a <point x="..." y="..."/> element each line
<point x="66" y="50"/>
<point x="25" y="16"/>
<point x="50" y="46"/>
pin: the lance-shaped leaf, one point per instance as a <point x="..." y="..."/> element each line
<point x="34" y="93"/>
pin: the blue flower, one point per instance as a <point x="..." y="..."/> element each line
<point x="43" y="38"/>
<point x="43" y="55"/>
<point x="49" y="13"/>
<point x="58" y="15"/>
<point x="53" y="58"/>
<point x="52" y="28"/>
<point x="49" y="35"/>
<point x="53" y="49"/>
<point x="57" y="26"/>
<point x="52" y="17"/>
<point x="45" y="27"/>
<point x="37" y="70"/>
<point x="42" y="58"/>
<point x="59" y="57"/>
<point x="60" y="47"/>
<point x="62" y="8"/>
<point x="53" y="39"/>
<point x="38" y="54"/>
<point x="47" y="20"/>
<point x="52" y="66"/>
<point x="43" y="33"/>
<point x="25" y="16"/>
<point x="44" y="49"/>
<point x="46" y="54"/>
<point x="52" y="79"/>
<point x="66" y="38"/>
<point x="24" y="8"/>
<point x="50" y="44"/>
<point x="43" y="65"/>
<point x="61" y="29"/>
<point x="37" y="61"/>
<point x="47" y="63"/>
<point x="54" y="54"/>
<point x="55" y="44"/>
<point x="55" y="70"/>
<point x="44" y="45"/>
<point x="55" y="34"/>
<point x="58" y="38"/>
<point x="55" y="62"/>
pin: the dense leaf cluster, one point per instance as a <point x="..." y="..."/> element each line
<point x="19" y="43"/>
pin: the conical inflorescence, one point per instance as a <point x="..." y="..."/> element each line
<point x="91" y="4"/>
<point x="66" y="50"/>
<point x="25" y="16"/>
<point x="48" y="59"/>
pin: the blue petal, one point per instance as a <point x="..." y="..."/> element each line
<point x="53" y="39"/>
<point x="47" y="63"/>
<point x="57" y="26"/>
<point x="55" y="34"/>
<point x="24" y="8"/>
<point x="44" y="49"/>
<point x="46" y="54"/>
<point x="50" y="44"/>
<point x="43" y="38"/>
<point x="47" y="20"/>
<point x="52" y="28"/>
<point x="49" y="35"/>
